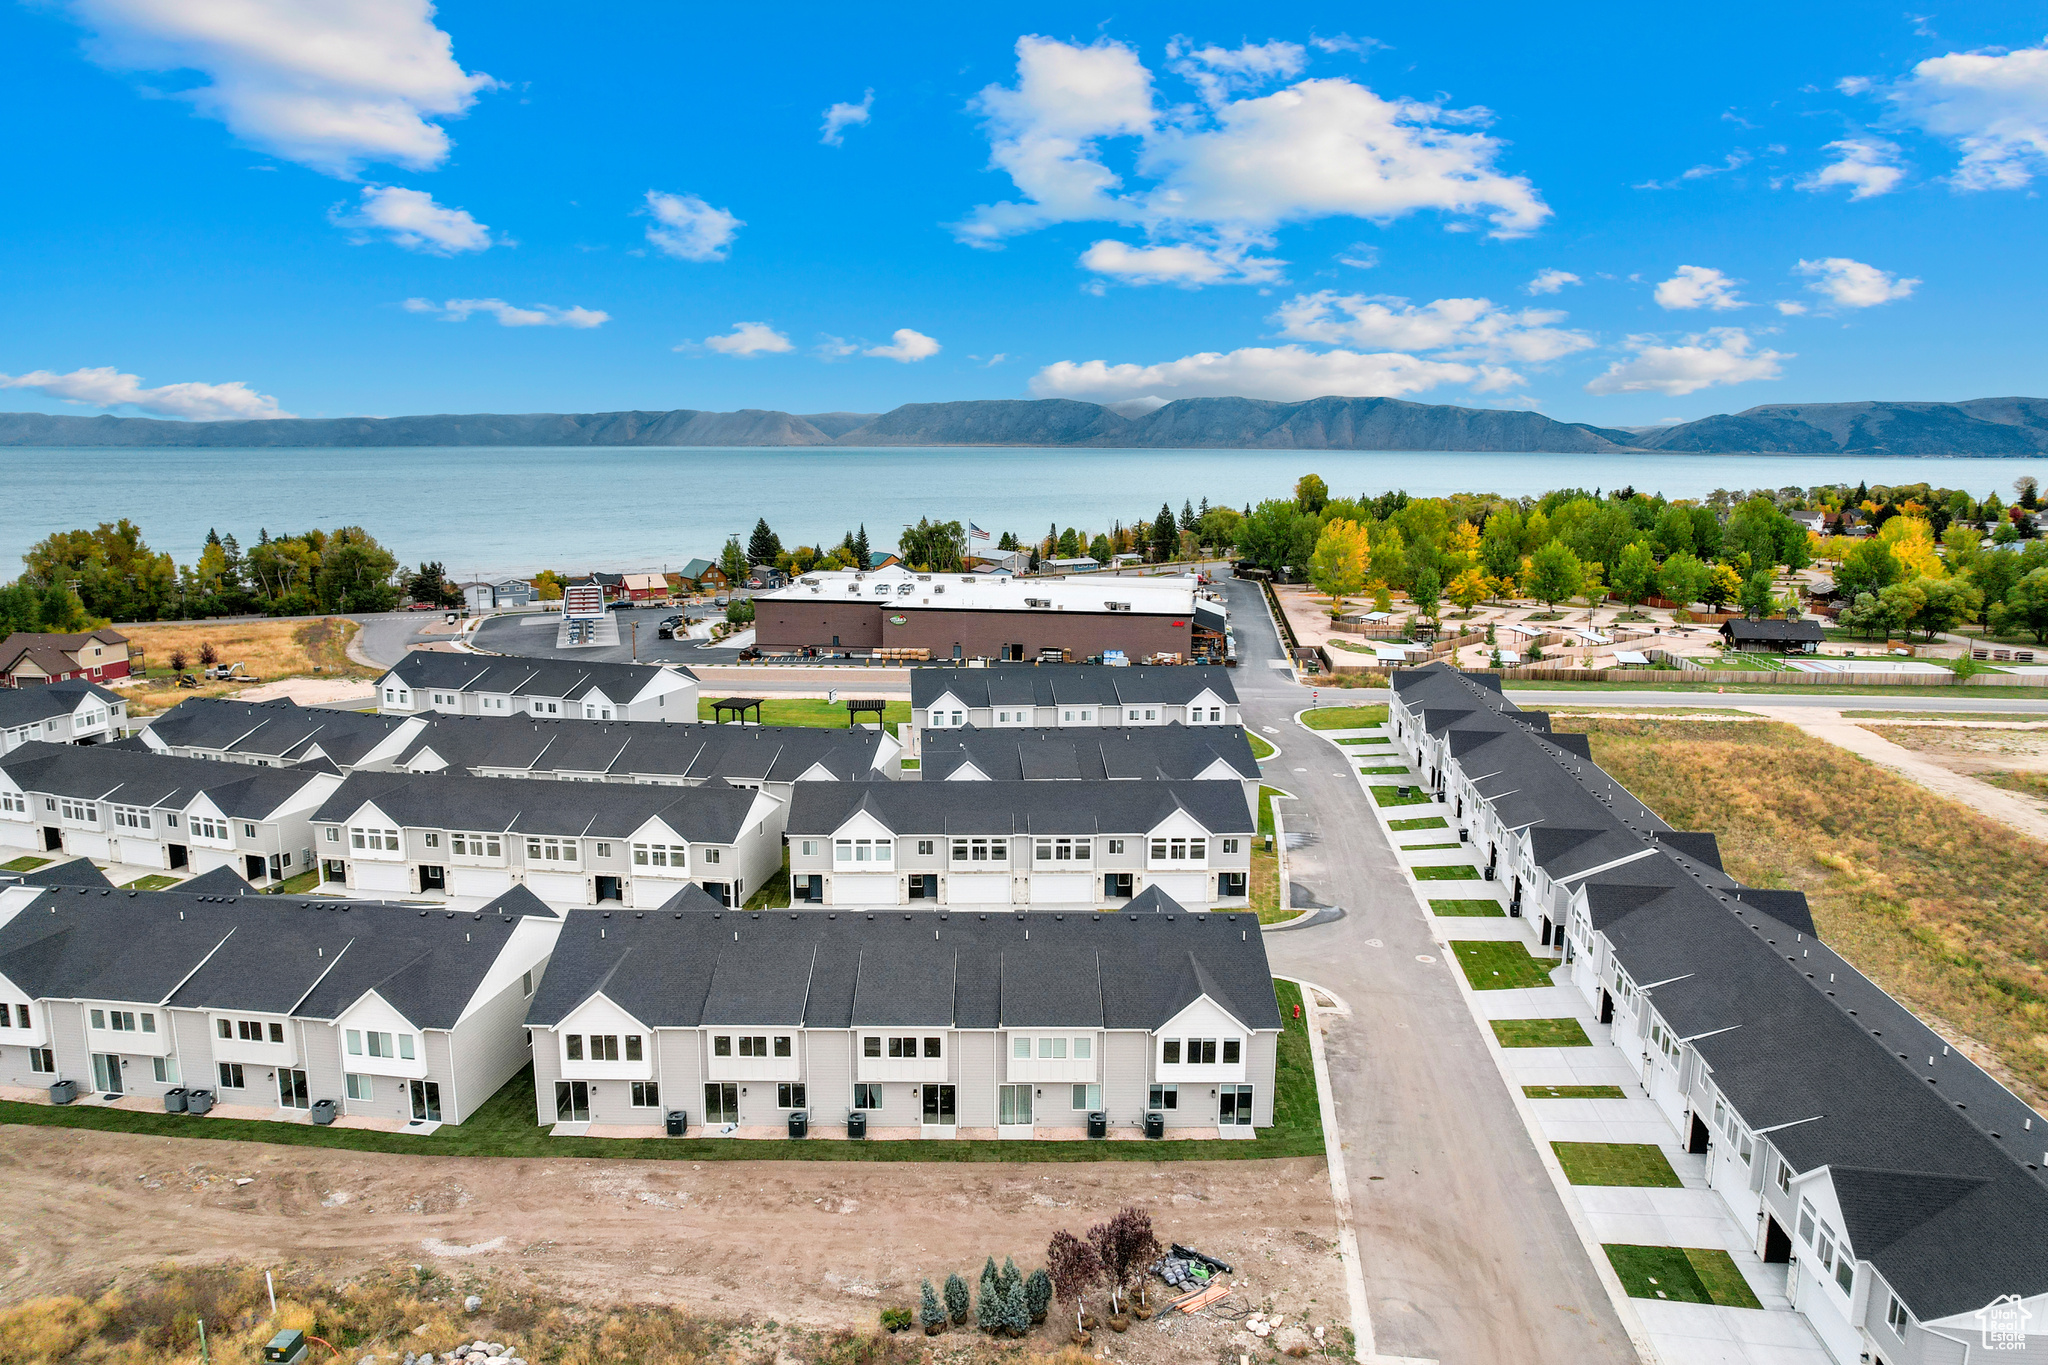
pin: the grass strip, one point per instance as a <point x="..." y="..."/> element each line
<point x="1501" y="965"/>
<point x="1369" y="739"/>
<point x="1451" y="872"/>
<point x="154" y="881"/>
<point x="815" y="712"/>
<point x="1470" y="908"/>
<point x="24" y="863"/>
<point x="1345" y="717"/>
<point x="1574" y="1092"/>
<point x="1681" y="1275"/>
<point x="1540" y="1033"/>
<point x="1398" y="770"/>
<point x="1387" y="795"/>
<point x="1638" y="1165"/>
<point x="1420" y="822"/>
<point x="1426" y="848"/>
<point x="1261" y="748"/>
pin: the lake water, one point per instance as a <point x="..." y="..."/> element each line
<point x="499" y="510"/>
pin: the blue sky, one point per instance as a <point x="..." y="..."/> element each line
<point x="1626" y="215"/>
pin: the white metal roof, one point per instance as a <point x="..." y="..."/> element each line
<point x="898" y="586"/>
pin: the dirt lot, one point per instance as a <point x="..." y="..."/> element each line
<point x="269" y="650"/>
<point x="1974" y="749"/>
<point x="823" y="1244"/>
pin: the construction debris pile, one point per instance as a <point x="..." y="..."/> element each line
<point x="475" y="1353"/>
<point x="1186" y="1268"/>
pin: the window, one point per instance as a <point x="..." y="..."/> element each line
<point x="526" y="985"/>
<point x="925" y="847"/>
<point x="808" y="847"/>
<point x="385" y="840"/>
<point x="79" y="810"/>
<point x="782" y="1045"/>
<point x="355" y="1042"/>
<point x="1087" y="1097"/>
<point x="1826" y="1247"/>
<point x="129" y="817"/>
<point x="866" y="1095"/>
<point x="981" y="850"/>
<point x="754" y="1047"/>
<point x="1164" y="1097"/>
<point x="1231" y="845"/>
<point x="863" y="850"/>
<point x="99" y="1019"/>
<point x="476" y="845"/>
<point x="551" y="850"/>
<point x="1806" y="1222"/>
<point x="646" y="1095"/>
<point x="358" y="1087"/>
<point x="1231" y="1051"/>
<point x="230" y="1075"/>
<point x="42" y="1059"/>
<point x="1746" y="1148"/>
<point x="21" y="1016"/>
<point x="933" y="1048"/>
<point x="1054" y="1049"/>
<point x="1013" y="1104"/>
<point x="1200" y="1051"/>
<point x="1784" y="1177"/>
<point x="604" y="1047"/>
<point x="1116" y="846"/>
<point x="789" y="1095"/>
<point x="903" y="1047"/>
<point x="1062" y="850"/>
<point x="1169" y="1052"/>
<point x="1084" y="1049"/>
<point x="166" y="1069"/>
<point x="1896" y="1317"/>
<point x="604" y="850"/>
<point x="1020" y="1047"/>
<point x="721" y="1046"/>
<point x="1845" y="1274"/>
<point x="711" y="855"/>
<point x="1234" y="1106"/>
<point x="633" y="1048"/>
<point x="333" y="835"/>
<point x="11" y="801"/>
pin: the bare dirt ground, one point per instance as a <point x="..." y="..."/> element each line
<point x="1975" y="748"/>
<point x="310" y="691"/>
<point x="826" y="1244"/>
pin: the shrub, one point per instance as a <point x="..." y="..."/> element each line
<point x="956" y="1299"/>
<point x="1008" y="1278"/>
<point x="1037" y="1294"/>
<point x="988" y="1304"/>
<point x="177" y="661"/>
<point x="1073" y="1266"/>
<point x="1016" y="1317"/>
<point x="208" y="655"/>
<point x="895" y="1319"/>
<point x="929" y="1311"/>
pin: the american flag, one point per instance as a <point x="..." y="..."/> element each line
<point x="975" y="532"/>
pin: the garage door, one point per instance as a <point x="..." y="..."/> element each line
<point x="384" y="878"/>
<point x="558" y="888"/>
<point x="1191" y="889"/>
<point x="479" y="881"/>
<point x="848" y="889"/>
<point x="1063" y="888"/>
<point x="975" y="888"/>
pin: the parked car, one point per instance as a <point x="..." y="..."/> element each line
<point x="721" y="601"/>
<point x="423" y="606"/>
<point x="622" y="604"/>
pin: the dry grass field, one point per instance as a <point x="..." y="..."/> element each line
<point x="1939" y="905"/>
<point x="268" y="649"/>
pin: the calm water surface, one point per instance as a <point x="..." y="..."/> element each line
<point x="492" y="510"/>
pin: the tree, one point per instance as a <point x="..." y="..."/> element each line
<point x="1555" y="574"/>
<point x="1867" y="616"/>
<point x="2025" y="608"/>
<point x="1008" y="540"/>
<point x="1099" y="551"/>
<point x="930" y="1314"/>
<point x="1757" y="594"/>
<point x="1123" y="1246"/>
<point x="1007" y="1278"/>
<point x="177" y="661"/>
<point x="1869" y="566"/>
<point x="1672" y="533"/>
<point x="1469" y="589"/>
<point x="1721" y="585"/>
<point x="1338" y="565"/>
<point x="111" y="569"/>
<point x="1426" y="592"/>
<point x="1187" y="515"/>
<point x="762" y="546"/>
<point x="548" y="584"/>
<point x="208" y="655"/>
<point x="1069" y="546"/>
<point x="1165" y="535"/>
<point x="862" y="553"/>
<point x="740" y="611"/>
<point x="2026" y="490"/>
<point x="1500" y="544"/>
<point x="732" y="561"/>
<point x="1073" y="1266"/>
<point x="1218" y="527"/>
<point x="1635" y="574"/>
<point x="956" y="1299"/>
<point x="988" y="1299"/>
<point x="1682" y="579"/>
<point x="1016" y="1315"/>
<point x="1946" y="602"/>
<point x="934" y="546"/>
<point x="429" y="583"/>
<point x="1277" y="534"/>
<point x="1311" y="493"/>
<point x="1389" y="554"/>
<point x="1037" y="1294"/>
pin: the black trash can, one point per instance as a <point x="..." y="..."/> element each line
<point x="198" y="1101"/>
<point x="799" y="1123"/>
<point x="1098" y="1123"/>
<point x="857" y="1124"/>
<point x="1155" y="1124"/>
<point x="676" y="1121"/>
<point x="63" y="1092"/>
<point x="323" y="1112"/>
<point x="174" y="1100"/>
<point x="1400" y="791"/>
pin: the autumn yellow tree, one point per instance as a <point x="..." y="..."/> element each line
<point x="1469" y="588"/>
<point x="1339" y="564"/>
<point x="1912" y="544"/>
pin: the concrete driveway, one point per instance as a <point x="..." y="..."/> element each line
<point x="1468" y="1255"/>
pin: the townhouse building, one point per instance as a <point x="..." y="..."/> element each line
<point x="1900" y="1186"/>
<point x="988" y="1025"/>
<point x="398" y="1016"/>
<point x="124" y="805"/>
<point x="1042" y="845"/>
<point x="31" y="659"/>
<point x="75" y="712"/>
<point x="277" y="734"/>
<point x="1169" y="753"/>
<point x="1065" y="696"/>
<point x="431" y="681"/>
<point x="471" y="839"/>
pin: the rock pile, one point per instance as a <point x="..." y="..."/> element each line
<point x="475" y="1353"/>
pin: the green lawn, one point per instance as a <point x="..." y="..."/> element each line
<point x="1345" y="717"/>
<point x="815" y="711"/>
<point x="1574" y="1092"/>
<point x="1640" y="1164"/>
<point x="1681" y="1275"/>
<point x="1386" y="795"/>
<point x="775" y="895"/>
<point x="1426" y="848"/>
<point x="155" y="881"/>
<point x="1452" y="872"/>
<point x="1261" y="749"/>
<point x="1265" y="881"/>
<point x="1501" y="965"/>
<point x="296" y="886"/>
<point x="1367" y="739"/>
<point x="1399" y="771"/>
<point x="1420" y="822"/>
<point x="1540" y="1033"/>
<point x="505" y="1127"/>
<point x="1471" y="908"/>
<point x="24" y="864"/>
<point x="909" y="765"/>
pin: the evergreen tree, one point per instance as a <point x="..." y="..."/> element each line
<point x="732" y="562"/>
<point x="1016" y="1317"/>
<point x="1008" y="1278"/>
<point x="929" y="1313"/>
<point x="1165" y="535"/>
<point x="861" y="552"/>
<point x="989" y="1313"/>
<point x="762" y="546"/>
<point x="1069" y="544"/>
<point x="1037" y="1294"/>
<point x="1187" y="515"/>
<point x="956" y="1299"/>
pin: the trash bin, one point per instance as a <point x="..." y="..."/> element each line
<point x="799" y="1123"/>
<point x="676" y="1121"/>
<point x="63" y="1092"/>
<point x="323" y="1112"/>
<point x="1155" y="1124"/>
<point x="198" y="1101"/>
<point x="857" y="1124"/>
<point x="174" y="1100"/>
<point x="1098" y="1123"/>
<point x="1400" y="791"/>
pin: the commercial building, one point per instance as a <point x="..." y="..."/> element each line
<point x="989" y="616"/>
<point x="934" y="1026"/>
<point x="1900" y="1188"/>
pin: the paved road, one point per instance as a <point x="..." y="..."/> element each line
<point x="1468" y="1256"/>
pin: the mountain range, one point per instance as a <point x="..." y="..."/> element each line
<point x="1981" y="426"/>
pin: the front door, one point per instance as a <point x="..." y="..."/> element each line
<point x="178" y="856"/>
<point x="608" y="889"/>
<point x="1606" y="1007"/>
<point x="1777" y="1242"/>
<point x="106" y="1073"/>
<point x="938" y="1107"/>
<point x="1234" y="1106"/>
<point x="722" y="891"/>
<point x="1700" y="1137"/>
<point x="53" y="839"/>
<point x="426" y="1101"/>
<point x="253" y="866"/>
<point x="721" y="1102"/>
<point x="291" y="1089"/>
<point x="1116" y="885"/>
<point x="433" y="878"/>
<point x="572" y="1101"/>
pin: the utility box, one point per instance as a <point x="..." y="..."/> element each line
<point x="323" y="1112"/>
<point x="198" y="1101"/>
<point x="1155" y="1124"/>
<point x="174" y="1100"/>
<point x="1098" y="1123"/>
<point x="675" y="1121"/>
<point x="799" y="1123"/>
<point x="63" y="1092"/>
<point x="857" y="1124"/>
<point x="286" y="1348"/>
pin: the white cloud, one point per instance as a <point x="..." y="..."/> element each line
<point x="905" y="345"/>
<point x="330" y="85"/>
<point x="1460" y="329"/>
<point x="840" y="117"/>
<point x="1344" y="42"/>
<point x="1734" y="161"/>
<point x="106" y="387"/>
<point x="689" y="229"/>
<point x="540" y="315"/>
<point x="1359" y="256"/>
<point x="1283" y="373"/>
<point x="1791" y="308"/>
<point x="1227" y="176"/>
<point x="1852" y="284"/>
<point x="1551" y="281"/>
<point x="1718" y="356"/>
<point x="411" y="219"/>
<point x="748" y="338"/>
<point x="1697" y="286"/>
<point x="1184" y="264"/>
<point x="1869" y="166"/>
<point x="1992" y="104"/>
<point x="831" y="347"/>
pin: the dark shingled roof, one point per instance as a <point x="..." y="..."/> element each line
<point x="39" y="702"/>
<point x="222" y="881"/>
<point x="1020" y="807"/>
<point x="1156" y="752"/>
<point x="520" y="677"/>
<point x="276" y="730"/>
<point x="122" y="776"/>
<point x="710" y="814"/>
<point x="1774" y="630"/>
<point x="630" y="749"/>
<point x="74" y="872"/>
<point x="1071" y="685"/>
<point x="838" y="969"/>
